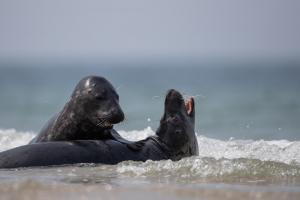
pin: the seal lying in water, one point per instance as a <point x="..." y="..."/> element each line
<point x="175" y="138"/>
<point x="91" y="110"/>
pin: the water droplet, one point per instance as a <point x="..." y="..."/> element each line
<point x="85" y="180"/>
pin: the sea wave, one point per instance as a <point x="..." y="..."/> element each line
<point x="10" y="138"/>
<point x="277" y="150"/>
<point x="199" y="169"/>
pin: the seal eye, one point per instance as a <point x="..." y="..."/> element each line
<point x="101" y="96"/>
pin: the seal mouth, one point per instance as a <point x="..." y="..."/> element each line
<point x="189" y="105"/>
<point x="105" y="124"/>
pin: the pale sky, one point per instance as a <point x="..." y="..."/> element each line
<point x="154" y="28"/>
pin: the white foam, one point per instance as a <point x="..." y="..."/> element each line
<point x="276" y="150"/>
<point x="10" y="138"/>
<point x="137" y="134"/>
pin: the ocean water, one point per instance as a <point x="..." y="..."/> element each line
<point x="247" y="124"/>
<point x="224" y="169"/>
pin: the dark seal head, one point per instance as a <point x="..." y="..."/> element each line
<point x="175" y="137"/>
<point x="177" y="126"/>
<point x="92" y="109"/>
<point x="96" y="100"/>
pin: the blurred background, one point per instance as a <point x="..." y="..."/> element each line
<point x="240" y="59"/>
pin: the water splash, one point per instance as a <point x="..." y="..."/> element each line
<point x="10" y="138"/>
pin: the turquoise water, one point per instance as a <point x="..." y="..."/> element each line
<point x="240" y="100"/>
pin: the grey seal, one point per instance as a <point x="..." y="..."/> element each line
<point x="174" y="139"/>
<point x="92" y="109"/>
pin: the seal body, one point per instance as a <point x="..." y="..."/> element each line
<point x="92" y="109"/>
<point x="80" y="151"/>
<point x="175" y="139"/>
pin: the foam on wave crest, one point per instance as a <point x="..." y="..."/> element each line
<point x="278" y="150"/>
<point x="10" y="138"/>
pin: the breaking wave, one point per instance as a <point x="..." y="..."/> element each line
<point x="10" y="138"/>
<point x="218" y="159"/>
<point x="198" y="169"/>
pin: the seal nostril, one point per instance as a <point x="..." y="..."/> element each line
<point x="122" y="116"/>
